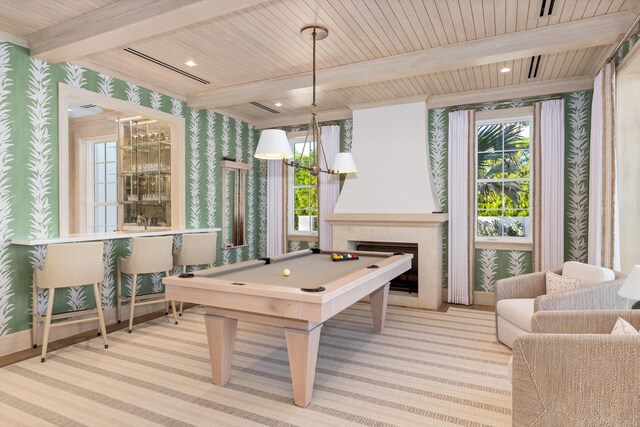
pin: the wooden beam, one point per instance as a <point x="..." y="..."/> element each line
<point x="124" y="22"/>
<point x="100" y="68"/>
<point x="387" y="102"/>
<point x="508" y="93"/>
<point x="300" y="119"/>
<point x="233" y="115"/>
<point x="13" y="38"/>
<point x="578" y="34"/>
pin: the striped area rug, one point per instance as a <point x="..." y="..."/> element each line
<point x="425" y="369"/>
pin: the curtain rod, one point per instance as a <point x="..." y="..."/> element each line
<point x="532" y="99"/>
<point x="624" y="39"/>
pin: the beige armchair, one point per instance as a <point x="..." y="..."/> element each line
<point x="571" y="372"/>
<point x="519" y="297"/>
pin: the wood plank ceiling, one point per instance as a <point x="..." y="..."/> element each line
<point x="262" y="42"/>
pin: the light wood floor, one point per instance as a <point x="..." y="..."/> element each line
<point x="65" y="342"/>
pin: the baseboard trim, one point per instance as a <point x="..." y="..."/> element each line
<point x="479" y="297"/>
<point x="484" y="298"/>
<point x="19" y="341"/>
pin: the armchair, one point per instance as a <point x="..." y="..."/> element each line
<point x="519" y="297"/>
<point x="572" y="371"/>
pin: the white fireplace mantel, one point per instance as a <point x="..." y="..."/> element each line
<point x="388" y="219"/>
<point x="425" y="230"/>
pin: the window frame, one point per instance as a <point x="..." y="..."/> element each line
<point x="294" y="234"/>
<point x="502" y="118"/>
<point x="89" y="145"/>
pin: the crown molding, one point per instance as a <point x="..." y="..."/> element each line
<point x="512" y="92"/>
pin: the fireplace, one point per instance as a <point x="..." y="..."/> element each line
<point x="390" y="200"/>
<point x="422" y="230"/>
<point x="407" y="281"/>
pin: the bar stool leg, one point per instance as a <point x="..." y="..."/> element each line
<point x="34" y="314"/>
<point x="132" y="301"/>
<point x="47" y="324"/>
<point x="173" y="307"/>
<point x="119" y="294"/>
<point x="101" y="325"/>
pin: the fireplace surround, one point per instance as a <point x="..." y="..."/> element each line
<point x="425" y="230"/>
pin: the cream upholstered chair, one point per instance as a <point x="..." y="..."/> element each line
<point x="148" y="255"/>
<point x="67" y="265"/>
<point x="196" y="249"/>
<point x="517" y="298"/>
<point x="572" y="372"/>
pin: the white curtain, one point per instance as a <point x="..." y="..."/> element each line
<point x="329" y="185"/>
<point x="604" y="240"/>
<point x="462" y="149"/>
<point x="548" y="185"/>
<point x="275" y="207"/>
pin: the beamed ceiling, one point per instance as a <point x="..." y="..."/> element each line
<point x="449" y="51"/>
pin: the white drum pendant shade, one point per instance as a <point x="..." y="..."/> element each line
<point x="273" y="144"/>
<point x="343" y="163"/>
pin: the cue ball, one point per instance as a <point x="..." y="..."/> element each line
<point x="286" y="272"/>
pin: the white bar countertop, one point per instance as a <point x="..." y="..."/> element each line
<point x="106" y="236"/>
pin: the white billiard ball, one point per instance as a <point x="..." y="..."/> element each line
<point x="286" y="272"/>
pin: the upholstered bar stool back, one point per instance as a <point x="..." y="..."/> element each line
<point x="67" y="265"/>
<point x="148" y="255"/>
<point x="196" y="249"/>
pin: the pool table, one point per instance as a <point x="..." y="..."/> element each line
<point x="257" y="291"/>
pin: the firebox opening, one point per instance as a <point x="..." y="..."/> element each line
<point x="407" y="281"/>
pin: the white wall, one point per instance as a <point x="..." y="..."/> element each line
<point x="390" y="150"/>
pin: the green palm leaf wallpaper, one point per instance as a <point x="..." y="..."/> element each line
<point x="494" y="264"/>
<point x="29" y="176"/>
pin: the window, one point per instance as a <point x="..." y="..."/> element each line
<point x="503" y="178"/>
<point x="303" y="190"/>
<point x="103" y="205"/>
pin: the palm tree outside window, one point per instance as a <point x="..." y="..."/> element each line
<point x="503" y="178"/>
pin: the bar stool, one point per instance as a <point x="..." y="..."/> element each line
<point x="148" y="255"/>
<point x="68" y="265"/>
<point x="196" y="249"/>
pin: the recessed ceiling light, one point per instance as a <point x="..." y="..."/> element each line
<point x="278" y="104"/>
<point x="190" y="63"/>
<point x="69" y="109"/>
<point x="505" y="70"/>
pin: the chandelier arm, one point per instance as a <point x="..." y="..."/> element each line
<point x="304" y="147"/>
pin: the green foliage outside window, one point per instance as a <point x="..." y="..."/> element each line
<point x="503" y="179"/>
<point x="305" y="193"/>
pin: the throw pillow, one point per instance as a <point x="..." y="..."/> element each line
<point x="557" y="283"/>
<point x="622" y="327"/>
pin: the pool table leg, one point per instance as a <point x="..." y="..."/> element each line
<point x="378" y="300"/>
<point x="302" y="347"/>
<point x="221" y="336"/>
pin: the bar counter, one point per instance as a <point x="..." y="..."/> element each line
<point x="125" y="234"/>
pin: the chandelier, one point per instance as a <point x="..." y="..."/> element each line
<point x="274" y="143"/>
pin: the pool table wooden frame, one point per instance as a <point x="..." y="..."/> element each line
<point x="301" y="314"/>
